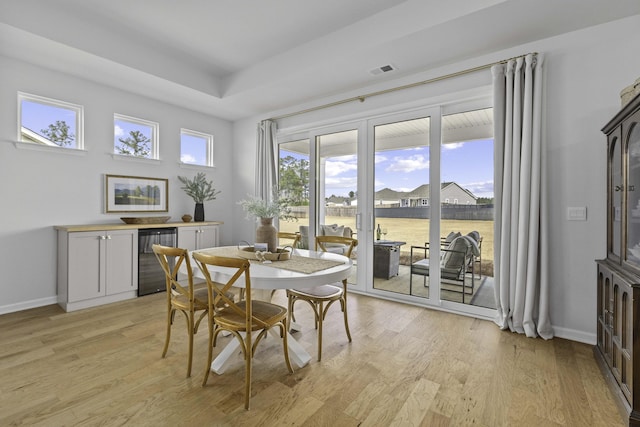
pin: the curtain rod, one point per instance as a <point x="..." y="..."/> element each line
<point x="361" y="98"/>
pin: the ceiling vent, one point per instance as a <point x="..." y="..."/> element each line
<point x="384" y="69"/>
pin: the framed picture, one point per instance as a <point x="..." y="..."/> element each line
<point x="136" y="194"/>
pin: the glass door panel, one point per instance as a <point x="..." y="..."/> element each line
<point x="401" y="203"/>
<point x="633" y="195"/>
<point x="615" y="180"/>
<point x="466" y="210"/>
<point x="336" y="188"/>
<point x="293" y="181"/>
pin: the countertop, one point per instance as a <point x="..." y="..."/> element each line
<point x="123" y="226"/>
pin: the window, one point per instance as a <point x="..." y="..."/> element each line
<point x="49" y="122"/>
<point x="424" y="202"/>
<point x="196" y="148"/>
<point x="135" y="137"/>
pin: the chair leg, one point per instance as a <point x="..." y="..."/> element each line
<point x="210" y="352"/>
<point x="285" y="344"/>
<point x="170" y="313"/>
<point x="190" y="325"/>
<point x="343" y="302"/>
<point x="247" y="376"/>
<point x="319" y="319"/>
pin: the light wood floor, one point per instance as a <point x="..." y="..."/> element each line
<point x="406" y="366"/>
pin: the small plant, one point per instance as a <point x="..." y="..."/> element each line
<point x="277" y="208"/>
<point x="198" y="188"/>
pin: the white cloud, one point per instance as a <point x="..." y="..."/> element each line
<point x="187" y="158"/>
<point x="408" y="164"/>
<point x="452" y="146"/>
<point x="480" y="189"/>
<point x="118" y="131"/>
<point x="334" y="168"/>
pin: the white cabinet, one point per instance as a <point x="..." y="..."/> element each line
<point x="96" y="267"/>
<point x="198" y="237"/>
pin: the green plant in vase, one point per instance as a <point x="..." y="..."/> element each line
<point x="200" y="190"/>
<point x="279" y="207"/>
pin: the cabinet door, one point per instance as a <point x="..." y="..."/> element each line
<point x="86" y="260"/>
<point x="121" y="261"/>
<point x="615" y="192"/>
<point x="187" y="237"/>
<point x="622" y="348"/>
<point x="208" y="237"/>
<point x="631" y="135"/>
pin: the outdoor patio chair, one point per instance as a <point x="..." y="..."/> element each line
<point x="454" y="262"/>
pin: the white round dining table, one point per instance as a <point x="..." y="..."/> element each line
<point x="266" y="278"/>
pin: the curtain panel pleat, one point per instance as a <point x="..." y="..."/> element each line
<point x="521" y="271"/>
<point x="266" y="167"/>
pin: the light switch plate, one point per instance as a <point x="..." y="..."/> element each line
<point x="577" y="213"/>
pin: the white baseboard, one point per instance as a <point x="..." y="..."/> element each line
<point x="574" y="335"/>
<point x="25" y="305"/>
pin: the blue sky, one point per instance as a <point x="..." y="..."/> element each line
<point x="37" y="116"/>
<point x="470" y="164"/>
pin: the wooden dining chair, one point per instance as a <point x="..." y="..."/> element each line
<point x="291" y="239"/>
<point x="317" y="296"/>
<point x="241" y="318"/>
<point x="182" y="296"/>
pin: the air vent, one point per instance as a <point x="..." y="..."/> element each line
<point x="384" y="69"/>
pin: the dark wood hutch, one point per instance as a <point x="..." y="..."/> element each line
<point x="618" y="281"/>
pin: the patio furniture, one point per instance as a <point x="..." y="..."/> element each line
<point x="326" y="230"/>
<point x="386" y="258"/>
<point x="455" y="260"/>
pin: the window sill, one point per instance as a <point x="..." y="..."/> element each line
<point x="38" y="147"/>
<point x="134" y="159"/>
<point x="194" y="166"/>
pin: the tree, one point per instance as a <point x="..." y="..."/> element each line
<point x="294" y="180"/>
<point x="58" y="133"/>
<point x="352" y="194"/>
<point x="136" y="144"/>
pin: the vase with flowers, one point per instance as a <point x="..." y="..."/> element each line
<point x="265" y="211"/>
<point x="200" y="190"/>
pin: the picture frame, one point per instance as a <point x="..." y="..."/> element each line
<point x="136" y="194"/>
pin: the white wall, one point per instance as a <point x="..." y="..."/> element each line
<point x="40" y="189"/>
<point x="585" y="72"/>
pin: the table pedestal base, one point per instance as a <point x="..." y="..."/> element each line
<point x="297" y="353"/>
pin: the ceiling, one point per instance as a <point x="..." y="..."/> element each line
<point x="236" y="59"/>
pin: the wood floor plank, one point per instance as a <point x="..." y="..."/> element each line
<point x="406" y="366"/>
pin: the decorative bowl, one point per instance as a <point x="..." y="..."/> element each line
<point x="146" y="219"/>
<point x="249" y="252"/>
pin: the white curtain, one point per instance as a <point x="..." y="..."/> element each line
<point x="266" y="155"/>
<point x="521" y="219"/>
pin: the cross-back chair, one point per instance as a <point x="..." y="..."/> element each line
<point x="317" y="296"/>
<point x="291" y="239"/>
<point x="182" y="296"/>
<point x="242" y="318"/>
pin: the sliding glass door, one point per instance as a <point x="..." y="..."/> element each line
<point x="375" y="178"/>
<point x="401" y="201"/>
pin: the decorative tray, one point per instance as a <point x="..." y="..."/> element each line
<point x="249" y="252"/>
<point x="146" y="220"/>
